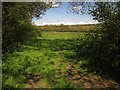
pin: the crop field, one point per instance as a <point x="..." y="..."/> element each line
<point x="67" y="28"/>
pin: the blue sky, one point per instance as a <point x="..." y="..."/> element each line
<point x="59" y="15"/>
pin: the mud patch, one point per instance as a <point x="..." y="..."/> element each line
<point x="88" y="80"/>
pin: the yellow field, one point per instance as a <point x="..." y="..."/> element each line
<point x="66" y="28"/>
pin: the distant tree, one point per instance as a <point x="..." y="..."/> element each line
<point x="61" y="24"/>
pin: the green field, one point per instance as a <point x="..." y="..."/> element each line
<point x="62" y="35"/>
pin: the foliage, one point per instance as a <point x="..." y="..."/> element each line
<point x="63" y="83"/>
<point x="102" y="50"/>
<point x="38" y="56"/>
<point x="48" y="58"/>
<point x="16" y="22"/>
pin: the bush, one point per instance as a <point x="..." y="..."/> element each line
<point x="16" y="25"/>
<point x="102" y="55"/>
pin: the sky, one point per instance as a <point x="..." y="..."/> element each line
<point x="61" y="15"/>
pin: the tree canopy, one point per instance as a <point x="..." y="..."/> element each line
<point x="16" y="21"/>
<point x="104" y="53"/>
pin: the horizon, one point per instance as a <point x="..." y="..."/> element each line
<point x="58" y="24"/>
<point x="68" y="25"/>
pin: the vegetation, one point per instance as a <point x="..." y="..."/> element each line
<point x="60" y="35"/>
<point x="49" y="63"/>
<point x="38" y="57"/>
<point x="16" y="22"/>
<point x="57" y="57"/>
<point x="102" y="50"/>
<point x="68" y="28"/>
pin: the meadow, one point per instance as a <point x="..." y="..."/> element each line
<point x="62" y="35"/>
<point x="50" y="61"/>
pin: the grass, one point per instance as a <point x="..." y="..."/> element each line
<point x="45" y="57"/>
<point x="62" y="35"/>
<point x="53" y="58"/>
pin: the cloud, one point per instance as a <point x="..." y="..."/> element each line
<point x="55" y="4"/>
<point x="76" y="8"/>
<point x="65" y="23"/>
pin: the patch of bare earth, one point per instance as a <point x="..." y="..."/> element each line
<point x="33" y="81"/>
<point x="88" y="80"/>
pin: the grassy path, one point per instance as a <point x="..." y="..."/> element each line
<point x="53" y="64"/>
<point x="46" y="63"/>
